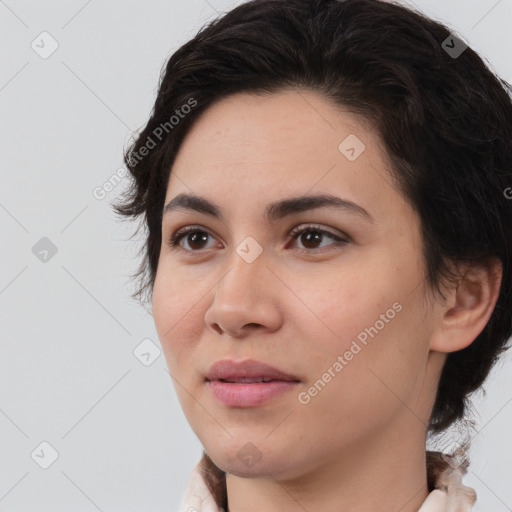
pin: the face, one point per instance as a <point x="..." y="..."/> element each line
<point x="338" y="303"/>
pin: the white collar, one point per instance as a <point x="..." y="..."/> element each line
<point x="450" y="495"/>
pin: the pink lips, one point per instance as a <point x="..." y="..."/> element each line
<point x="228" y="381"/>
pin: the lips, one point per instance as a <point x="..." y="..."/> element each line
<point x="247" y="371"/>
<point x="247" y="380"/>
<point x="248" y="383"/>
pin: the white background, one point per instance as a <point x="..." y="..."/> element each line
<point x="68" y="375"/>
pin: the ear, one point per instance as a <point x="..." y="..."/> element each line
<point x="468" y="307"/>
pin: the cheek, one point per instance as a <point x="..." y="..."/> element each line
<point x="369" y="375"/>
<point x="176" y="307"/>
<point x="340" y="302"/>
<point x="368" y="316"/>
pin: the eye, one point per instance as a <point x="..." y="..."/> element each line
<point x="315" y="234"/>
<point x="195" y="235"/>
<point x="191" y="232"/>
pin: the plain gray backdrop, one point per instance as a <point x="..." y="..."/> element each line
<point x="83" y="387"/>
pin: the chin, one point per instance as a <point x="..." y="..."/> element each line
<point x="249" y="461"/>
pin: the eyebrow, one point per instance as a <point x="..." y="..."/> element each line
<point x="274" y="211"/>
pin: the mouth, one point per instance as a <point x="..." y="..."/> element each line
<point x="230" y="370"/>
<point x="250" y="380"/>
<point x="247" y="383"/>
<point x="245" y="392"/>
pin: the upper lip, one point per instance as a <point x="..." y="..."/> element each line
<point x="228" y="369"/>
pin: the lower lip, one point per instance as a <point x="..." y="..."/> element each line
<point x="248" y="394"/>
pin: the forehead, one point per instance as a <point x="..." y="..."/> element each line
<point x="247" y="149"/>
<point x="271" y="125"/>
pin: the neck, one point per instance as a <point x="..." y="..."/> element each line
<point x="387" y="475"/>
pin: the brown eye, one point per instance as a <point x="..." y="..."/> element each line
<point x="312" y="235"/>
<point x="309" y="236"/>
<point x="195" y="237"/>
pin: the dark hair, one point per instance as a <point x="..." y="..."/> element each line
<point x="445" y="121"/>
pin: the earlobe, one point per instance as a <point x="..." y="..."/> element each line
<point x="468" y="308"/>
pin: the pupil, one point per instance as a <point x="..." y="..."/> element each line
<point x="196" y="237"/>
<point x="311" y="236"/>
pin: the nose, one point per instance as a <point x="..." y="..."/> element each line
<point x="246" y="298"/>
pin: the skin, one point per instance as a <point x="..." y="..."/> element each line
<point x="359" y="444"/>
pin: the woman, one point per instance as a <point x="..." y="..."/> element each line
<point x="324" y="184"/>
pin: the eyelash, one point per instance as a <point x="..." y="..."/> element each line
<point x="178" y="235"/>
